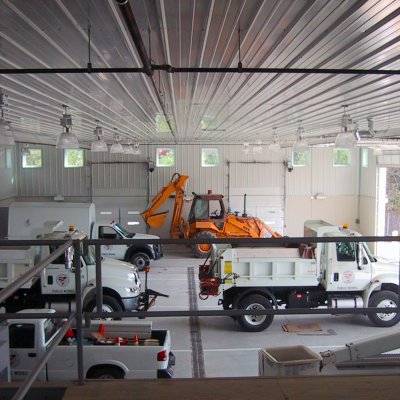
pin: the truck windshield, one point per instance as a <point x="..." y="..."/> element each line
<point x="122" y="231"/>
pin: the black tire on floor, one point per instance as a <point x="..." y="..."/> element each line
<point x="384" y="298"/>
<point x="255" y="323"/>
<point x="110" y="304"/>
<point x="202" y="250"/>
<point x="141" y="260"/>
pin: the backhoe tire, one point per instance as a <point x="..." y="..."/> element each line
<point x="384" y="298"/>
<point x="141" y="260"/>
<point x="255" y="323"/>
<point x="110" y="304"/>
<point x="202" y="250"/>
<point x="105" y="372"/>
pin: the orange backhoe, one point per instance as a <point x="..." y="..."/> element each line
<point x="207" y="217"/>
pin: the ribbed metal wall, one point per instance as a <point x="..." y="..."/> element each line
<point x="127" y="182"/>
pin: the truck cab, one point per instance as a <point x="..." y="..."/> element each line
<point x="139" y="253"/>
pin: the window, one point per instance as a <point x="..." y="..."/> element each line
<point x="364" y="157"/>
<point x="301" y="158"/>
<point x="341" y="157"/>
<point x="345" y="251"/>
<point x="33" y="159"/>
<point x="8" y="159"/>
<point x="22" y="336"/>
<point x="165" y="157"/>
<point x="73" y="158"/>
<point x="209" y="157"/>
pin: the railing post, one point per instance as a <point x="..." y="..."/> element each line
<point x="78" y="291"/>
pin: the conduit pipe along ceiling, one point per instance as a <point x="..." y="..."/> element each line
<point x="201" y="71"/>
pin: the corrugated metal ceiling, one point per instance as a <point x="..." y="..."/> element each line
<point x="202" y="107"/>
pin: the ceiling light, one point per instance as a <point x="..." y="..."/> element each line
<point x="274" y="146"/>
<point x="25" y="150"/>
<point x="257" y="147"/>
<point x="67" y="140"/>
<point x="246" y="147"/>
<point x="6" y="134"/>
<point x="300" y="145"/>
<point x="98" y="145"/>
<point x="345" y="139"/>
<point x="128" y="148"/>
<point x="136" y="148"/>
<point x="117" y="147"/>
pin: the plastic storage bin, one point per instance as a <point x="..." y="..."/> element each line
<point x="288" y="361"/>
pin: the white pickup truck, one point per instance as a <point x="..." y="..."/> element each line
<point x="110" y="350"/>
<point x="332" y="274"/>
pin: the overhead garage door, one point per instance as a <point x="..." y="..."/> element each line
<point x="263" y="184"/>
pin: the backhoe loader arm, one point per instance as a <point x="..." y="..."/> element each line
<point x="156" y="220"/>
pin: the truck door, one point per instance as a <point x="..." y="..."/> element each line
<point x="111" y="250"/>
<point x="57" y="279"/>
<point x="24" y="352"/>
<point x="347" y="273"/>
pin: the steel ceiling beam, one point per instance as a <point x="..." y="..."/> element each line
<point x="180" y="70"/>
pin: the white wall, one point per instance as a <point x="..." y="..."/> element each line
<point x="125" y="183"/>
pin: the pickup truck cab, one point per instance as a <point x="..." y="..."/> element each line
<point x="108" y="358"/>
<point x="139" y="253"/>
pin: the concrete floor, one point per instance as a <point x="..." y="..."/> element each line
<point x="228" y="351"/>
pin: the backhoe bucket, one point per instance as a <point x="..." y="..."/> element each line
<point x="157" y="220"/>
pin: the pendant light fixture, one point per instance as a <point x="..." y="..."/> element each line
<point x="98" y="145"/>
<point x="136" y="149"/>
<point x="6" y="134"/>
<point x="128" y="148"/>
<point x="67" y="140"/>
<point x="116" y="147"/>
<point x="301" y="144"/>
<point x="274" y="146"/>
<point x="345" y="139"/>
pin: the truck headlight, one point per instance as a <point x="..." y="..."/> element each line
<point x="133" y="290"/>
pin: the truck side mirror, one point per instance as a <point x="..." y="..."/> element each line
<point x="69" y="258"/>
<point x="360" y="257"/>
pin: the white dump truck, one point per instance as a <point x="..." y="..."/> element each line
<point x="111" y="349"/>
<point x="332" y="274"/>
<point x="24" y="217"/>
<point x="55" y="286"/>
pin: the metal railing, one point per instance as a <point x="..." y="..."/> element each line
<point x="79" y="316"/>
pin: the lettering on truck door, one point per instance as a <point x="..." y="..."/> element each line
<point x="346" y="275"/>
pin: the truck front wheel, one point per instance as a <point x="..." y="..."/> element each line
<point x="384" y="299"/>
<point x="110" y="304"/>
<point x="140" y="260"/>
<point x="105" y="372"/>
<point x="255" y="323"/>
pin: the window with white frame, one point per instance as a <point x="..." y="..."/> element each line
<point x="209" y="157"/>
<point x="32" y="158"/>
<point x="73" y="158"/>
<point x="341" y="157"/>
<point x="165" y="157"/>
<point x="301" y="158"/>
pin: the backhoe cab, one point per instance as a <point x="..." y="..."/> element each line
<point x="207" y="219"/>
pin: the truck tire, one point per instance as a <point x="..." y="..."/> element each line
<point x="255" y="323"/>
<point x="141" y="260"/>
<point x="105" y="372"/>
<point x="384" y="298"/>
<point x="110" y="304"/>
<point x="202" y="250"/>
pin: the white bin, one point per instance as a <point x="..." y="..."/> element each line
<point x="288" y="361"/>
